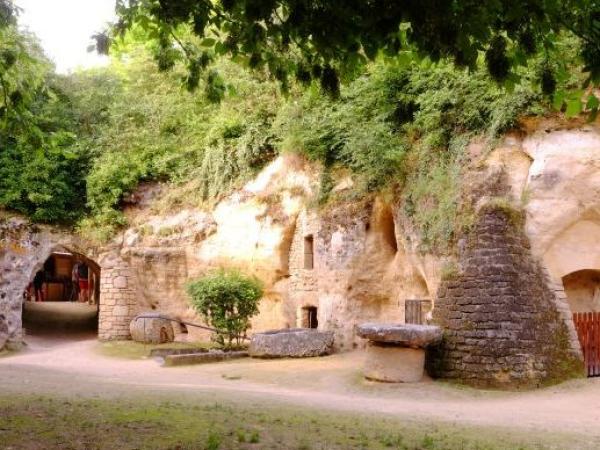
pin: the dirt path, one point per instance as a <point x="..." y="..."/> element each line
<point x="52" y="365"/>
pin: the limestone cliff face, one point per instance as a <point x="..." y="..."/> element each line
<point x="555" y="172"/>
<point x="352" y="262"/>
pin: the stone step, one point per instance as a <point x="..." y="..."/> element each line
<point x="201" y="358"/>
<point x="163" y="352"/>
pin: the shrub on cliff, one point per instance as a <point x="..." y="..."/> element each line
<point x="227" y="300"/>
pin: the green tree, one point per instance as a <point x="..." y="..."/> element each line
<point x="41" y="168"/>
<point x="227" y="300"/>
<point x="321" y="40"/>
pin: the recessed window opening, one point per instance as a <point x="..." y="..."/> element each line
<point x="309" y="258"/>
<point x="309" y="317"/>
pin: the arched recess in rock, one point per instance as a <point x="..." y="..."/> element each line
<point x="582" y="289"/>
<point x="576" y="248"/>
<point x="23" y="251"/>
<point x="60" y="304"/>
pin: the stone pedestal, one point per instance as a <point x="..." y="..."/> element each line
<point x="396" y="353"/>
<point x="394" y="364"/>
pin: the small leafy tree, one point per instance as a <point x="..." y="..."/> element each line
<point x="227" y="300"/>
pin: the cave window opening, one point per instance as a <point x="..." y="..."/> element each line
<point x="309" y="258"/>
<point x="309" y="317"/>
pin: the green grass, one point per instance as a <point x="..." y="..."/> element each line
<point x="28" y="422"/>
<point x="136" y="350"/>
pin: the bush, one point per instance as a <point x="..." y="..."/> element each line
<point x="227" y="300"/>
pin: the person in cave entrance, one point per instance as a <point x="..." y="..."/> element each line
<point x="75" y="282"/>
<point x="83" y="282"/>
<point x="38" y="285"/>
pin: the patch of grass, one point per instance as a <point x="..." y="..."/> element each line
<point x="450" y="271"/>
<point x="254" y="438"/>
<point x="28" y="422"/>
<point x="213" y="442"/>
<point x="136" y="350"/>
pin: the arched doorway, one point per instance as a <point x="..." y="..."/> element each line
<point x="582" y="289"/>
<point x="62" y="299"/>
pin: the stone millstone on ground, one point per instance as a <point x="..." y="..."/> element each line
<point x="293" y="343"/>
<point x="151" y="329"/>
<point x="405" y="335"/>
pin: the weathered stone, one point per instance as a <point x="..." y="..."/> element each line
<point x="405" y="335"/>
<point x="120" y="282"/>
<point x="151" y="329"/>
<point x="202" y="357"/>
<point x="394" y="364"/>
<point x="294" y="343"/>
<point x="510" y="332"/>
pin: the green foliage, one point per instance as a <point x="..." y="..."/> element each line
<point x="141" y="125"/>
<point x="41" y="168"/>
<point x="227" y="300"/>
<point x="407" y="127"/>
<point x="324" y="41"/>
<point x="355" y="131"/>
<point x="213" y="442"/>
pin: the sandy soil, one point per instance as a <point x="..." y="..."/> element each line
<point x="53" y="364"/>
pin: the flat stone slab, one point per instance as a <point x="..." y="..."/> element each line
<point x="202" y="358"/>
<point x="403" y="335"/>
<point x="291" y="343"/>
<point x="163" y="352"/>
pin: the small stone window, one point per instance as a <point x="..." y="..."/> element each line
<point x="309" y="317"/>
<point x="309" y="257"/>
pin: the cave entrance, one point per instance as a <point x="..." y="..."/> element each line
<point x="582" y="289"/>
<point x="62" y="299"/>
<point x="309" y="317"/>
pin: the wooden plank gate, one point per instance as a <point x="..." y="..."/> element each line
<point x="588" y="331"/>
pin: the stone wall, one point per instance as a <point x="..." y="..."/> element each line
<point x="501" y="318"/>
<point x="118" y="299"/>
<point x="303" y="284"/>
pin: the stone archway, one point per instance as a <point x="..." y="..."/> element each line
<point x="59" y="307"/>
<point x="23" y="250"/>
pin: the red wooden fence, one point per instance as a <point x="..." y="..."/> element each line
<point x="588" y="331"/>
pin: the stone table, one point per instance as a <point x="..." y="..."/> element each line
<point x="396" y="352"/>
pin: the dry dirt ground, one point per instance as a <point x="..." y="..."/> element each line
<point x="52" y="364"/>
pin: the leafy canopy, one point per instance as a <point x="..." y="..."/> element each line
<point x="227" y="300"/>
<point x="323" y="40"/>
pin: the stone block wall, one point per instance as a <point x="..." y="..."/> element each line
<point x="118" y="299"/>
<point x="303" y="285"/>
<point x="501" y="318"/>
